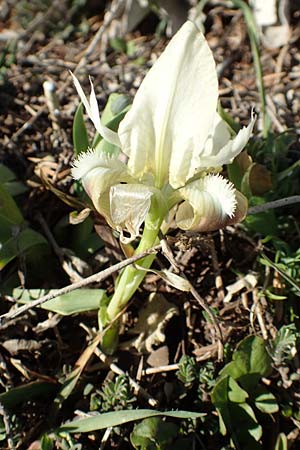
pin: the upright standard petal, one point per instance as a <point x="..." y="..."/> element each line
<point x="92" y="110"/>
<point x="173" y="110"/>
<point x="210" y="203"/>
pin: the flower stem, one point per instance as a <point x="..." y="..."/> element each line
<point x="131" y="277"/>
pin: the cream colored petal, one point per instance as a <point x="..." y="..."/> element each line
<point x="217" y="138"/>
<point x="173" y="110"/>
<point x="129" y="205"/>
<point x="93" y="113"/>
<point x="98" y="172"/>
<point x="219" y="148"/>
<point x="210" y="203"/>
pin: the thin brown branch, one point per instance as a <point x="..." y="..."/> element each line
<point x="275" y="204"/>
<point x="96" y="278"/>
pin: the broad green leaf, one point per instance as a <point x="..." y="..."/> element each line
<point x="265" y="401"/>
<point x="250" y="361"/>
<point x="83" y="240"/>
<point x="220" y="398"/>
<point x="6" y="174"/>
<point x="15" y="188"/>
<point x="248" y="420"/>
<point x="7" y="229"/>
<point x="264" y="223"/>
<point x="8" y="208"/>
<point x="77" y="301"/>
<point x="236" y="417"/>
<point x="227" y="390"/>
<point x="9" y="181"/>
<point x="20" y="394"/>
<point x="115" y="418"/>
<point x="80" y="136"/>
<point x="151" y="432"/>
<point x="18" y="244"/>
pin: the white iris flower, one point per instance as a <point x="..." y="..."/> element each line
<point x="174" y="143"/>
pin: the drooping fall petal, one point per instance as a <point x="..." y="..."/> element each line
<point x="173" y="110"/>
<point x="98" y="172"/>
<point x="210" y="203"/>
<point x="129" y="205"/>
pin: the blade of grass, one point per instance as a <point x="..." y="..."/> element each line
<point x="254" y="43"/>
<point x="115" y="418"/>
<point x="268" y="262"/>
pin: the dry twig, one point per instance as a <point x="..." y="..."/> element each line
<point x="96" y="278"/>
<point x="275" y="204"/>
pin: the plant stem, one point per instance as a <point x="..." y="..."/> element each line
<point x="131" y="277"/>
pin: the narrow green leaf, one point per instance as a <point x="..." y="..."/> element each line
<point x="21" y="394"/>
<point x="268" y="262"/>
<point x="18" y="244"/>
<point x="281" y="442"/>
<point x="245" y="182"/>
<point x="114" y="111"/>
<point x="15" y="188"/>
<point x="254" y="42"/>
<point x="271" y="296"/>
<point x="8" y="207"/>
<point x="9" y="181"/>
<point x="46" y="443"/>
<point x="115" y="418"/>
<point x="178" y="282"/>
<point x="80" y="136"/>
<point x="116" y="104"/>
<point x="77" y="301"/>
<point x="73" y="377"/>
<point x="234" y="125"/>
<point x="235" y="174"/>
<point x="6" y="174"/>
